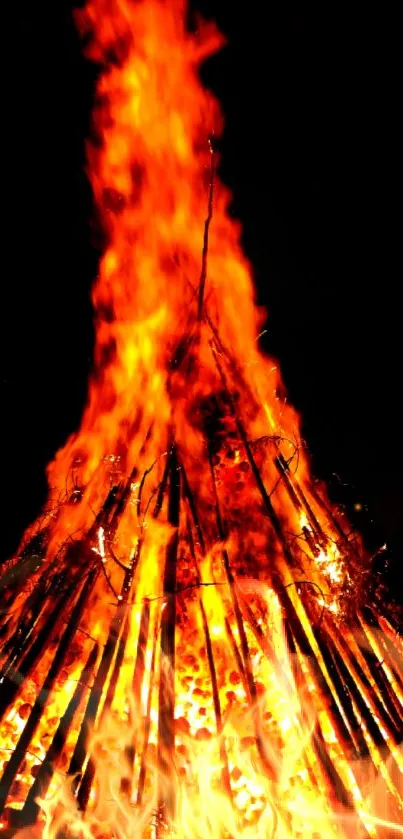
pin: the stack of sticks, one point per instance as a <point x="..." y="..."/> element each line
<point x="357" y="672"/>
<point x="52" y="607"/>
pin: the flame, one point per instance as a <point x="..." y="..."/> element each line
<point x="185" y="651"/>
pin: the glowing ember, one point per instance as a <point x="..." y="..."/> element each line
<point x="189" y="644"/>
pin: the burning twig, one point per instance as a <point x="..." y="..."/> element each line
<point x="203" y="275"/>
<point x="31" y="808"/>
<point x="166" y="732"/>
<point x="36" y="712"/>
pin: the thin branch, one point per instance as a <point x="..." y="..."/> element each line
<point x="203" y="274"/>
<point x="314" y="585"/>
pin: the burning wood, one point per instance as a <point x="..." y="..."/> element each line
<point x="191" y="643"/>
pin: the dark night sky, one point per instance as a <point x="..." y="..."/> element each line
<point x="310" y="94"/>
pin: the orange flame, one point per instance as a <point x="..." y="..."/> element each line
<point x="150" y="174"/>
<point x="183" y="669"/>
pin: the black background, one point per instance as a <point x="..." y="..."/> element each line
<point x="310" y="150"/>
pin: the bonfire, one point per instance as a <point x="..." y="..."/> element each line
<point x="192" y="639"/>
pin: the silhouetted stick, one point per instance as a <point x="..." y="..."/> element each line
<point x="137" y="684"/>
<point x="166" y="697"/>
<point x="31" y="725"/>
<point x="213" y="675"/>
<point x="249" y="678"/>
<point x="380" y="693"/>
<point x="357" y="693"/>
<point x="255" y="470"/>
<point x="115" y="629"/>
<point x="203" y="275"/>
<point x="147" y="723"/>
<point x="392" y="639"/>
<point x="329" y="513"/>
<point x="17" y="669"/>
<point x="31" y="808"/>
<point x="89" y="774"/>
<point x="294" y="626"/>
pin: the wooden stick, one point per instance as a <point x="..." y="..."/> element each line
<point x="203" y="275"/>
<point x="250" y="682"/>
<point x="236" y="653"/>
<point x="383" y="699"/>
<point x="326" y="766"/>
<point x="137" y="684"/>
<point x="166" y="698"/>
<point x="297" y="502"/>
<point x="329" y="513"/>
<point x="374" y="729"/>
<point x="117" y="625"/>
<point x="293" y="625"/>
<point x="30" y="811"/>
<point x="390" y="641"/>
<point x="213" y="674"/>
<point x="13" y="678"/>
<point x="31" y="725"/>
<point x="147" y="725"/>
<point x="272" y="515"/>
<point x="88" y="777"/>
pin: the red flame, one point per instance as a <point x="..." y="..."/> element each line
<point x="203" y="569"/>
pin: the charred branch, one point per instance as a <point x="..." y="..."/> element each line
<point x="35" y="715"/>
<point x="166" y="699"/>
